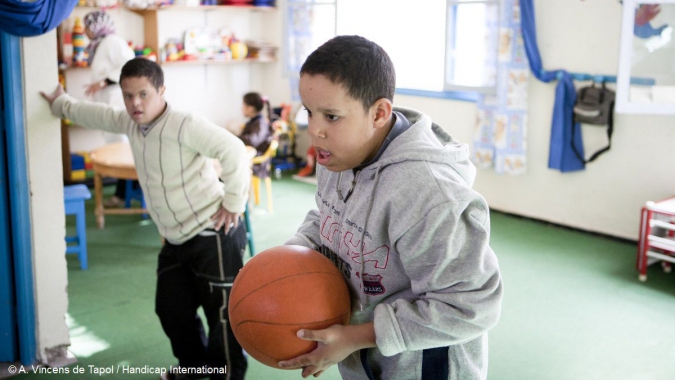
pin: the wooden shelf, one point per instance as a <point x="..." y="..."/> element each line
<point x="203" y="8"/>
<point x="151" y="27"/>
<point x="71" y="67"/>
<point x="96" y="8"/>
<point x="196" y="62"/>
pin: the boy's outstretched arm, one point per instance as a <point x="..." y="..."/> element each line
<point x="334" y="345"/>
<point x="51" y="97"/>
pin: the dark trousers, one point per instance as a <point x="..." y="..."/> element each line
<point x="200" y="272"/>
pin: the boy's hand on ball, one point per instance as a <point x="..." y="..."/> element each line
<point x="332" y="348"/>
<point x="334" y="345"/>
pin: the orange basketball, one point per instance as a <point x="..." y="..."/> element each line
<point x="280" y="291"/>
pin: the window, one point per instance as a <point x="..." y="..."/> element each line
<point x="471" y="45"/>
<point x="436" y="45"/>
<point x="309" y="23"/>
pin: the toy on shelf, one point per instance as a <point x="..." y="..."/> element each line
<point x="66" y="45"/>
<point x="106" y="3"/>
<point x="79" y="44"/>
<point x="263" y="3"/>
<point x="286" y="131"/>
<point x="171" y="51"/>
<point x="144" y="51"/>
<point x="202" y="43"/>
<point x="142" y="4"/>
<point x="206" y="44"/>
<point x="238" y="48"/>
<point x="238" y="2"/>
<point x="81" y="166"/>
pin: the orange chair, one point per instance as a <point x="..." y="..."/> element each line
<point x="255" y="180"/>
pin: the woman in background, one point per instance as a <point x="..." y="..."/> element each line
<point x="107" y="52"/>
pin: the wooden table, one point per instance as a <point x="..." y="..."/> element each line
<point x="112" y="160"/>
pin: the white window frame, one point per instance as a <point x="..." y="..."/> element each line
<point x="449" y="30"/>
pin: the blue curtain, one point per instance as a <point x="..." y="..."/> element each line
<point x="561" y="154"/>
<point x="25" y="19"/>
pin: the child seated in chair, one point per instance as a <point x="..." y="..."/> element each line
<point x="258" y="131"/>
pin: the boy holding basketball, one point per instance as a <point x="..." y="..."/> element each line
<point x="197" y="214"/>
<point x="397" y="215"/>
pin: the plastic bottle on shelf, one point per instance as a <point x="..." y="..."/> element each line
<point x="79" y="45"/>
<point x="67" y="46"/>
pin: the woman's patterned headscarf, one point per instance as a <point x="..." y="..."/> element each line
<point x="100" y="24"/>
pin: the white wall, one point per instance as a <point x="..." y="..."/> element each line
<point x="270" y="78"/>
<point x="45" y="173"/>
<point x="579" y="36"/>
<point x="607" y="196"/>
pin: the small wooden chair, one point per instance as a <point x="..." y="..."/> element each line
<point x="656" y="241"/>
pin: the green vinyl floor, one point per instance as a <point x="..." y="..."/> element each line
<point x="573" y="306"/>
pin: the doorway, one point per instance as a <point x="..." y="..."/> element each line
<point x="17" y="294"/>
<point x="8" y="343"/>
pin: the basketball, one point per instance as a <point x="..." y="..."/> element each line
<point x="280" y="291"/>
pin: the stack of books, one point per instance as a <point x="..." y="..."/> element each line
<point x="261" y="50"/>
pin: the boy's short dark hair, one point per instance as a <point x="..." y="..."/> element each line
<point x="360" y="65"/>
<point x="142" y="67"/>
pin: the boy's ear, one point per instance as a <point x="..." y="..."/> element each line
<point x="161" y="90"/>
<point x="383" y="109"/>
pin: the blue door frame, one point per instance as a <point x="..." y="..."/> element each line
<point x="17" y="189"/>
<point x="8" y="342"/>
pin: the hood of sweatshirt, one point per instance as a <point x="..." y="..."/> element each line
<point x="426" y="141"/>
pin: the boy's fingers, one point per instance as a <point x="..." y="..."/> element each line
<point x="217" y="220"/>
<point x="299" y="362"/>
<point x="309" y="335"/>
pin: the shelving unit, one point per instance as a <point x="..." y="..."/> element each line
<point x="211" y="88"/>
<point x="151" y="25"/>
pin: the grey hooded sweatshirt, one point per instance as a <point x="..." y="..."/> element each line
<point x="412" y="241"/>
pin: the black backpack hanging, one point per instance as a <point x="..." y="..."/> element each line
<point x="595" y="105"/>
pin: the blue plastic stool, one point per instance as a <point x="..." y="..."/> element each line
<point x="74" y="197"/>
<point x="130" y="194"/>
<point x="249" y="232"/>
